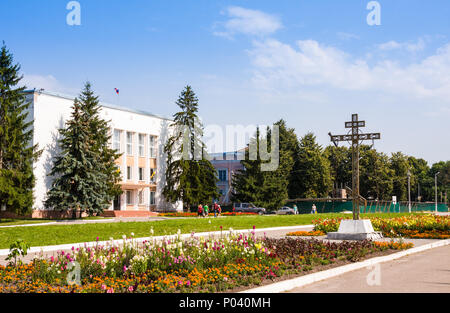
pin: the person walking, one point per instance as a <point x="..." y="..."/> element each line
<point x="219" y="210"/>
<point x="216" y="208"/>
<point x="200" y="210"/>
<point x="295" y="209"/>
<point x="205" y="209"/>
<point x="314" y="209"/>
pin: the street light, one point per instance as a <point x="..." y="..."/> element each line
<point x="409" y="191"/>
<point x="435" y="189"/>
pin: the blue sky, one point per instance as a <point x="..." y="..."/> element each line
<point x="313" y="63"/>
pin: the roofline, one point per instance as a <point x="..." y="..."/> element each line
<point x="103" y="104"/>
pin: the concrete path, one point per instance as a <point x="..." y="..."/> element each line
<point x="105" y="220"/>
<point x="427" y="271"/>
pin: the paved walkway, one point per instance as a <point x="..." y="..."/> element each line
<point x="105" y="220"/>
<point x="427" y="271"/>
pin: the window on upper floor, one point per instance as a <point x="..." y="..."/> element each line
<point x="141" y="145"/>
<point x="116" y="140"/>
<point x="129" y="143"/>
<point x="152" y="145"/>
<point x="222" y="175"/>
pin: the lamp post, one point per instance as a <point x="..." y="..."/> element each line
<point x="409" y="191"/>
<point x="435" y="190"/>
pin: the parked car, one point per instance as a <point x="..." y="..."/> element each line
<point x="248" y="208"/>
<point x="285" y="211"/>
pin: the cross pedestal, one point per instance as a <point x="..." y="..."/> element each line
<point x="355" y="230"/>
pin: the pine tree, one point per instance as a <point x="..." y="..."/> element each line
<point x="17" y="152"/>
<point x="190" y="176"/>
<point x="86" y="177"/>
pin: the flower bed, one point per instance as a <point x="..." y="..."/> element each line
<point x="306" y="233"/>
<point x="174" y="265"/>
<point x="193" y="214"/>
<point x="427" y="226"/>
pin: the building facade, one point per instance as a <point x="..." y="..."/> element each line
<point x="139" y="136"/>
<point x="226" y="165"/>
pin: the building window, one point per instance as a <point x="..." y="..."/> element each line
<point x="152" y="145"/>
<point x="129" y="194"/>
<point x="141" y="197"/>
<point x="129" y="173"/>
<point x="152" y="198"/>
<point x="141" y="145"/>
<point x="129" y="143"/>
<point x="222" y="175"/>
<point x="152" y="175"/>
<point x="116" y="141"/>
<point x="141" y="173"/>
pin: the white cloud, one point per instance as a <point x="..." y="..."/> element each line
<point x="248" y="22"/>
<point x="46" y="82"/>
<point x="408" y="46"/>
<point x="311" y="64"/>
<point x="347" y="36"/>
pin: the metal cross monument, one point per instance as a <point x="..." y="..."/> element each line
<point x="356" y="137"/>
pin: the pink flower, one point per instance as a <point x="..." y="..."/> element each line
<point x="103" y="287"/>
<point x="110" y="290"/>
<point x="130" y="289"/>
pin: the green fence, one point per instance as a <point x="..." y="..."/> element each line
<point x="304" y="207"/>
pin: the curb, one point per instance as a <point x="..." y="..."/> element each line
<point x="5" y="252"/>
<point x="315" y="277"/>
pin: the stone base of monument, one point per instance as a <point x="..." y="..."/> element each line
<point x="355" y="230"/>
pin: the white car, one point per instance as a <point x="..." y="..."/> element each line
<point x="285" y="211"/>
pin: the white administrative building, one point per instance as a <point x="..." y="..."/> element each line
<point x="138" y="135"/>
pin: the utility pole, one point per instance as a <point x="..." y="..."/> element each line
<point x="409" y="191"/>
<point x="435" y="191"/>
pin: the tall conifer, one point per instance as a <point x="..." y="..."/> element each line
<point x="17" y="152"/>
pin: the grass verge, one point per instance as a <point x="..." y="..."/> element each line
<point x="79" y="233"/>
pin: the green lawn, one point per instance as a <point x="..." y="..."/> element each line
<point x="64" y="234"/>
<point x="12" y="222"/>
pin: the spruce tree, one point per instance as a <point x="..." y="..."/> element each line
<point x="190" y="176"/>
<point x="86" y="176"/>
<point x="17" y="152"/>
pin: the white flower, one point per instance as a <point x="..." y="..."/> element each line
<point x="132" y="234"/>
<point x="124" y="236"/>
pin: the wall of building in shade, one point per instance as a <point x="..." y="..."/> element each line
<point x="138" y="135"/>
<point x="227" y="164"/>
